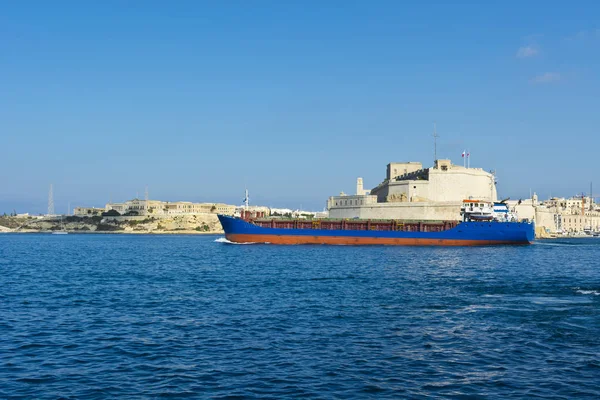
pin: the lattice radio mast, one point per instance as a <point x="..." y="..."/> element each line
<point x="50" y="201"/>
<point x="435" y="136"/>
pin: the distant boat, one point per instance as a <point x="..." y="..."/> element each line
<point x="62" y="230"/>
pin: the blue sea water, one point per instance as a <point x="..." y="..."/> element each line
<point x="122" y="316"/>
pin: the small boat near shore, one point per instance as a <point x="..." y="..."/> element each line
<point x="62" y="230"/>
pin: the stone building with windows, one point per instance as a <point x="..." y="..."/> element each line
<point x="88" y="211"/>
<point x="569" y="216"/>
<point x="156" y="208"/>
<point x="410" y="191"/>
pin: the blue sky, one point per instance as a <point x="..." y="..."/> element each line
<point x="198" y="99"/>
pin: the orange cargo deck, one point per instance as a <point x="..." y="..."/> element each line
<point x="356" y="225"/>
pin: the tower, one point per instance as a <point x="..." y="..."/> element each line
<point x="146" y="206"/>
<point x="359" y="187"/>
<point x="591" y="198"/>
<point x="50" y="201"/>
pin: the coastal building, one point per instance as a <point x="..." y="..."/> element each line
<point x="156" y="207"/>
<point x="410" y="191"/>
<point x="137" y="206"/>
<point x="571" y="216"/>
<point x="301" y="214"/>
<point x="186" y="207"/>
<point x="88" y="211"/>
<point x="524" y="208"/>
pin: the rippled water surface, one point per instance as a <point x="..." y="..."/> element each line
<point x="119" y="316"/>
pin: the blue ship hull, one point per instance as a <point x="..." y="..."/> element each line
<point x="464" y="234"/>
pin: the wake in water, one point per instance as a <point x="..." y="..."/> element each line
<point x="564" y="244"/>
<point x="586" y="291"/>
<point x="224" y="240"/>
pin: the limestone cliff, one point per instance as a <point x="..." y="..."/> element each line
<point x="193" y="223"/>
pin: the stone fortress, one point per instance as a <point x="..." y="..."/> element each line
<point x="411" y="192"/>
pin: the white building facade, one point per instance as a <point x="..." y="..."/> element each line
<point x="156" y="207"/>
<point x="410" y="191"/>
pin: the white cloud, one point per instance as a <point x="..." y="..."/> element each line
<point x="548" y="77"/>
<point x="527" y="51"/>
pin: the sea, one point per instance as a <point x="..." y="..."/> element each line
<point x="95" y="316"/>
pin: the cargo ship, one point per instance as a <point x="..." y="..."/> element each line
<point x="482" y="224"/>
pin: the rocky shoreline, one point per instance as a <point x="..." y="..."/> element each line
<point x="181" y="224"/>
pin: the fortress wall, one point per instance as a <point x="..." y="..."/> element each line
<point x="460" y="183"/>
<point x="417" y="211"/>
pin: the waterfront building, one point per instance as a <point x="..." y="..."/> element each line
<point x="88" y="211"/>
<point x="156" y="208"/>
<point x="410" y="191"/>
<point x="287" y="212"/>
<point x="186" y="207"/>
<point x="572" y="216"/>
